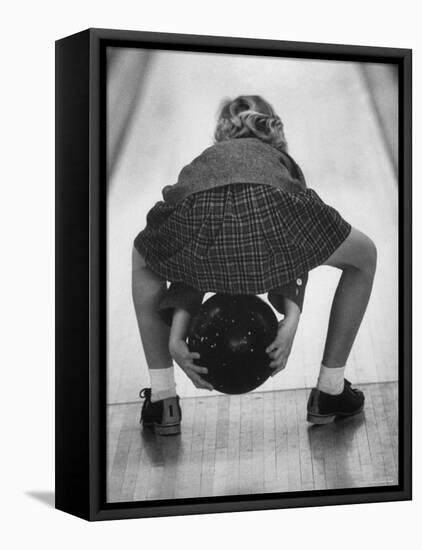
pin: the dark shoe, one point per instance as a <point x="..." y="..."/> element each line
<point x="323" y="408"/>
<point x="163" y="417"/>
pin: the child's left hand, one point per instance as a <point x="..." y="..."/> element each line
<point x="279" y="350"/>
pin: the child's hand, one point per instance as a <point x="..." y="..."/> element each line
<point x="279" y="350"/>
<point x="184" y="358"/>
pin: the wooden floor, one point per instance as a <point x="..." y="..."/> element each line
<point x="254" y="443"/>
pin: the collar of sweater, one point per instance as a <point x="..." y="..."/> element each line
<point x="244" y="160"/>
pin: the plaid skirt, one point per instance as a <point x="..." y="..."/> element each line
<point x="240" y="238"/>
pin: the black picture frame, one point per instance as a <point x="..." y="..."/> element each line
<point x="81" y="281"/>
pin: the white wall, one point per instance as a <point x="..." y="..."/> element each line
<point x="27" y="289"/>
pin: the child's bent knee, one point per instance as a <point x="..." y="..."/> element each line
<point x="358" y="251"/>
<point x="147" y="287"/>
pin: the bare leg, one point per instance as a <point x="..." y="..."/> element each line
<point x="356" y="257"/>
<point x="147" y="288"/>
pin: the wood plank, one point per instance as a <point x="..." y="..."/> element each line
<point x="389" y="395"/>
<point x="293" y="454"/>
<point x="233" y="447"/>
<point x="362" y="449"/>
<point x="171" y="449"/>
<point x="317" y="454"/>
<point x="350" y="428"/>
<point x="197" y="448"/>
<point x="245" y="457"/>
<point x="121" y="455"/>
<point x="221" y="443"/>
<point x="388" y="450"/>
<point x="208" y="457"/>
<point x="155" y="455"/>
<point x="269" y="442"/>
<point x="327" y="435"/>
<point x="144" y="467"/>
<point x="280" y="400"/>
<point x="257" y="477"/>
<point x="375" y="447"/>
<point x="182" y="474"/>
<point x="253" y="443"/>
<point x="115" y="414"/>
<point x="134" y="454"/>
<point x="306" y="465"/>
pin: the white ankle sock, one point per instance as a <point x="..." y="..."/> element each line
<point x="163" y="384"/>
<point x="331" y="380"/>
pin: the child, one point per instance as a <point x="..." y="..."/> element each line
<point x="240" y="220"/>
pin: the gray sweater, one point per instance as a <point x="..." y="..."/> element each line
<point x="241" y="160"/>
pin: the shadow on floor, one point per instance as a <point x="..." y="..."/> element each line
<point x="45" y="497"/>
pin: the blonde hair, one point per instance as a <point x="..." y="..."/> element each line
<point x="250" y="116"/>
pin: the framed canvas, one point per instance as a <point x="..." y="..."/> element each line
<point x="293" y="170"/>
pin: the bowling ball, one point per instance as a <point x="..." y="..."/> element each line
<point x="231" y="333"/>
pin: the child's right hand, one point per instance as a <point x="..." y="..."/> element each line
<point x="280" y="349"/>
<point x="184" y="358"/>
